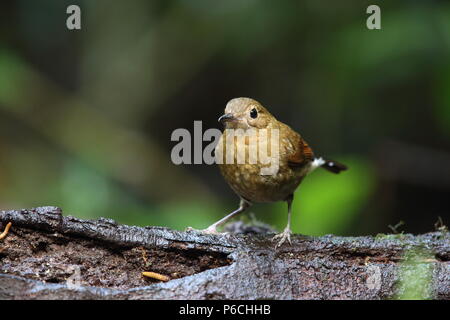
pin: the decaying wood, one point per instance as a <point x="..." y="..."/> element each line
<point x="48" y="256"/>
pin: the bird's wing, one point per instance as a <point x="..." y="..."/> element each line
<point x="302" y="153"/>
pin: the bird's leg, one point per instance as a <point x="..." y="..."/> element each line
<point x="243" y="205"/>
<point x="286" y="234"/>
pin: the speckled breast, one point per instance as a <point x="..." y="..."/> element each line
<point x="248" y="181"/>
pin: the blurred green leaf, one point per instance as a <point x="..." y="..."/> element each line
<point x="442" y="104"/>
<point x="84" y="191"/>
<point x="10" y="78"/>
<point x="194" y="214"/>
<point x="326" y="203"/>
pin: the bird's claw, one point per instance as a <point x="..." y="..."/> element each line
<point x="209" y="230"/>
<point x="283" y="236"/>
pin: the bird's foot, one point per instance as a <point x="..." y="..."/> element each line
<point x="282" y="237"/>
<point x="189" y="229"/>
<point x="209" y="230"/>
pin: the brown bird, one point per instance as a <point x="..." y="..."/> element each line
<point x="249" y="128"/>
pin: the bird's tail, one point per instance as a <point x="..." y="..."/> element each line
<point x="333" y="166"/>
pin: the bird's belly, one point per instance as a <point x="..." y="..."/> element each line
<point x="246" y="180"/>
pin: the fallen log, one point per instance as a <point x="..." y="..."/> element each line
<point x="46" y="255"/>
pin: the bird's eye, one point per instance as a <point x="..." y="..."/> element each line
<point x="253" y="113"/>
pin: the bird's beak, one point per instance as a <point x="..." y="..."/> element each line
<point x="226" y="117"/>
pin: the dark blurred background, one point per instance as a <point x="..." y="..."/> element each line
<point x="86" y="116"/>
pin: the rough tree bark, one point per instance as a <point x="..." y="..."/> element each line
<point x="48" y="256"/>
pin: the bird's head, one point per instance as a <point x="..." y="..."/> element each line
<point x="245" y="113"/>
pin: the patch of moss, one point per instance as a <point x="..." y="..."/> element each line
<point x="391" y="236"/>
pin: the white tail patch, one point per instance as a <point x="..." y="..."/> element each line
<point x="317" y="162"/>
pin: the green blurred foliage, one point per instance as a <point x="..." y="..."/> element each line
<point x="442" y="107"/>
<point x="329" y="204"/>
<point x="325" y="204"/>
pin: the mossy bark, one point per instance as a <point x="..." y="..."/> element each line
<point x="49" y="256"/>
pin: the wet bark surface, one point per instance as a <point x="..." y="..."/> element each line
<point x="48" y="256"/>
